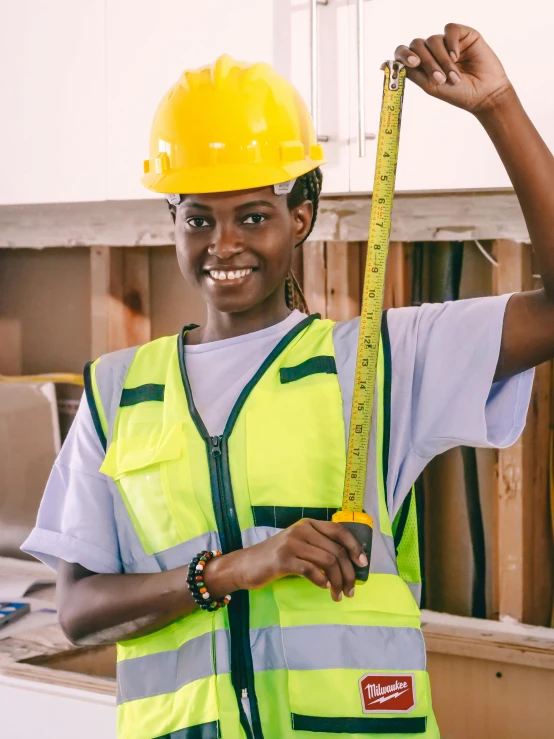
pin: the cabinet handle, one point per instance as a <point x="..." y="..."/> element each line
<point x="314" y="91"/>
<point x="360" y="39"/>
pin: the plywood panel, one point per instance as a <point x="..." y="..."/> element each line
<point x="48" y="294"/>
<point x="482" y="699"/>
<point x="10" y="346"/>
<point x="174" y="303"/>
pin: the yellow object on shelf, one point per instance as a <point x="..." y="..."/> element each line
<point x="68" y="378"/>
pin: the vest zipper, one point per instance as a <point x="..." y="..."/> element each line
<point x="242" y="669"/>
<point x="239" y="626"/>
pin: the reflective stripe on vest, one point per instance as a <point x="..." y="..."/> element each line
<point x="347" y="647"/>
<point x="299" y="645"/>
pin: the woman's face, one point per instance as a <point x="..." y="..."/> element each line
<point x="237" y="247"/>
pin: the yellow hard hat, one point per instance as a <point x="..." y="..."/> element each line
<point x="230" y="126"/>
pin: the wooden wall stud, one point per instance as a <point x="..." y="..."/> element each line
<point x="120" y="298"/>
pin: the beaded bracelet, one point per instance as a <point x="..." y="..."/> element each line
<point x="196" y="585"/>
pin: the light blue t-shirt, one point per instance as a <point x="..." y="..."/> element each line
<point x="444" y="357"/>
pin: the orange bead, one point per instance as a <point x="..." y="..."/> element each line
<point x="203" y="590"/>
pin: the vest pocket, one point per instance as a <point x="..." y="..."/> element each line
<point x="416" y="725"/>
<point x="137" y="463"/>
<point x="358" y="666"/>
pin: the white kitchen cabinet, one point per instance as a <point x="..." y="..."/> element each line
<point x="52" y="92"/>
<point x="146" y="54"/>
<point x="442" y="147"/>
<point x="80" y="83"/>
<point x="29" y="710"/>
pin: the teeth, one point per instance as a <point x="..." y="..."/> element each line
<point x="231" y="275"/>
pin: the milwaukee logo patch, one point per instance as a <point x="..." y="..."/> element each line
<point x="386" y="693"/>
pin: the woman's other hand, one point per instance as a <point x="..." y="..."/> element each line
<point x="458" y="67"/>
<point x="321" y="551"/>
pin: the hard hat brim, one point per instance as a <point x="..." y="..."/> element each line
<point x="226" y="177"/>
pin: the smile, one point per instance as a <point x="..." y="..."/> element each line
<point x="229" y="275"/>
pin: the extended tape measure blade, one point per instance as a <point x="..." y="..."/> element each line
<point x="374" y="282"/>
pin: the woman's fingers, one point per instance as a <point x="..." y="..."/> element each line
<point x="458" y="39"/>
<point x="406" y="56"/>
<point x="310" y="571"/>
<point x="430" y="60"/>
<point x="436" y="45"/>
<point x="336" y="553"/>
<point x="327" y="562"/>
<point x="345" y="538"/>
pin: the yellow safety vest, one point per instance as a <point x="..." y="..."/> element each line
<point x="284" y="661"/>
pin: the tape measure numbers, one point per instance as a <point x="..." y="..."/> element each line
<point x="372" y="301"/>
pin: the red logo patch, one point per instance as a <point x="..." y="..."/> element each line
<point x="386" y="693"/>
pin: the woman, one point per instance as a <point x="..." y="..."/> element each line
<point x="231" y="436"/>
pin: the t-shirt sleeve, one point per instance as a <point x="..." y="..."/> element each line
<point x="444" y="358"/>
<point x="76" y="520"/>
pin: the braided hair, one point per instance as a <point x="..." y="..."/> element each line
<point x="306" y="187"/>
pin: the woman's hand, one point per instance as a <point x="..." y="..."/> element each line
<point x="320" y="551"/>
<point x="458" y="67"/>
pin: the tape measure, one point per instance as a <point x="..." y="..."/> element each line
<point x="372" y="301"/>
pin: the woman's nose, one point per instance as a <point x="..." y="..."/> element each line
<point x="227" y="242"/>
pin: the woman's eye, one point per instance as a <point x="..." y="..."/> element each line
<point x="197" y="222"/>
<point x="255" y="219"/>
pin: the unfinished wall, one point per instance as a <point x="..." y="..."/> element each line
<point x="174" y="303"/>
<point x="68" y="305"/>
<point x="47" y="292"/>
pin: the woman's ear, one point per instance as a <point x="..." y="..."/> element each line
<point x="302" y="220"/>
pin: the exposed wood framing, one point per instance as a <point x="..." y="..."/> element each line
<point x="450" y="216"/>
<point x="11" y="358"/>
<point x="398" y="284"/>
<point x="512" y="643"/>
<point x="343" y="280"/>
<point x="524" y="568"/>
<point x="315" y="277"/>
<point x="483" y="672"/>
<point x="120" y="298"/>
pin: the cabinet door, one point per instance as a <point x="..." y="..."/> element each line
<point x="52" y="77"/>
<point x="442" y="147"/>
<point x="293" y="59"/>
<point x="32" y="709"/>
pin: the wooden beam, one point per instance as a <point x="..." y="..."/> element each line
<point x="442" y="216"/>
<point x="315" y="276"/>
<point x="524" y="568"/>
<point x="343" y="280"/>
<point x="398" y="283"/>
<point x="512" y="643"/>
<point x="120" y="298"/>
